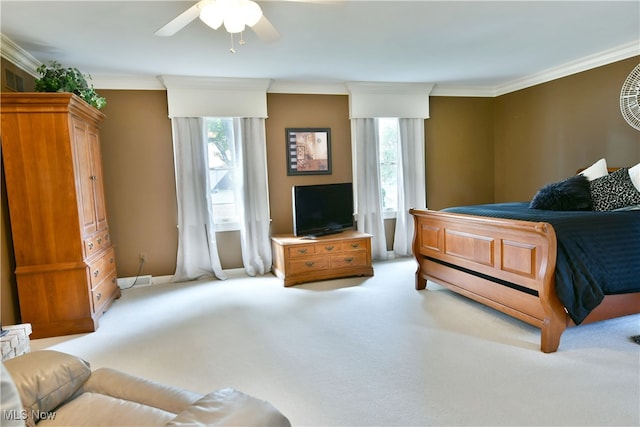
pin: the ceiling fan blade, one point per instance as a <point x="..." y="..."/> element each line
<point x="180" y="21"/>
<point x="265" y="30"/>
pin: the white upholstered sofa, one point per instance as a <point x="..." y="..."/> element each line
<point x="55" y="388"/>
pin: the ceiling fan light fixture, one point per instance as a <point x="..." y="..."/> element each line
<point x="251" y="11"/>
<point x="235" y="14"/>
<point x="234" y="23"/>
<point x="211" y="14"/>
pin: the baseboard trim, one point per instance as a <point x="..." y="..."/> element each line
<point x="142" y="281"/>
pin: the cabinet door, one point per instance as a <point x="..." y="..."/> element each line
<point x="89" y="176"/>
<point x="85" y="178"/>
<point x="96" y="172"/>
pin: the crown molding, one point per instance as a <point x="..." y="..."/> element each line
<point x="18" y="56"/>
<point x="308" y="88"/>
<point x="122" y="82"/>
<point x="463" y="91"/>
<point x="393" y="88"/>
<point x="215" y="83"/>
<point x="609" y="56"/>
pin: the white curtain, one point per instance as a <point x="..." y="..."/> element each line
<point x="369" y="216"/>
<point x="411" y="182"/>
<point x="252" y="194"/>
<point x="197" y="249"/>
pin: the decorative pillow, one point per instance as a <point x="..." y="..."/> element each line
<point x="634" y="174"/>
<point x="614" y="191"/>
<point x="571" y="194"/>
<point x="47" y="378"/>
<point x="596" y="170"/>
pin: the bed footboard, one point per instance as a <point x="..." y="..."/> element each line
<point x="505" y="264"/>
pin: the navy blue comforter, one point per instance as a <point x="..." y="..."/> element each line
<point x="598" y="252"/>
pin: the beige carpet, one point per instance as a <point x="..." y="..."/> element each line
<point x="368" y="352"/>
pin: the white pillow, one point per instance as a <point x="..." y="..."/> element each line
<point x="634" y="173"/>
<point x="596" y="170"/>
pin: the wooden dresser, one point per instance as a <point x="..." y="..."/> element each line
<point x="65" y="262"/>
<point x="299" y="260"/>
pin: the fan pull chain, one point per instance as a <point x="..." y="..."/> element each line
<point x="240" y="42"/>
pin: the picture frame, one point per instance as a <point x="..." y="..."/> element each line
<point x="308" y="151"/>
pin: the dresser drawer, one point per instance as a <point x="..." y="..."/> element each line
<point x="301" y="251"/>
<point x="309" y="264"/>
<point x="353" y="245"/>
<point x="103" y="292"/>
<point x="102" y="267"/>
<point x="328" y="248"/>
<point x="352" y="259"/>
<point x="97" y="242"/>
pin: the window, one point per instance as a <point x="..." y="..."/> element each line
<point x="222" y="173"/>
<point x="388" y="133"/>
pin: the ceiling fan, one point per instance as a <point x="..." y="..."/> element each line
<point x="235" y="15"/>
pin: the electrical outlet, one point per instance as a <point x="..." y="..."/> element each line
<point x="142" y="256"/>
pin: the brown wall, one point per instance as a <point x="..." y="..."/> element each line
<point x="478" y="150"/>
<point x="459" y="151"/>
<point x="547" y="132"/>
<point x="137" y="154"/>
<point x="326" y="111"/>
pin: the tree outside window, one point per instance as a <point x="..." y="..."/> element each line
<point x="388" y="133"/>
<point x="222" y="173"/>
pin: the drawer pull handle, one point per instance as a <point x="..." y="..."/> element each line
<point x="90" y="245"/>
<point x="355" y="245"/>
<point x="113" y="280"/>
<point x="302" y="251"/>
<point x="98" y="296"/>
<point x="350" y="259"/>
<point x="309" y="263"/>
<point x="95" y="273"/>
<point x="99" y="240"/>
<point x="329" y="248"/>
<point x="106" y="237"/>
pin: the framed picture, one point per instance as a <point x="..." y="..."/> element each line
<point x="308" y="151"/>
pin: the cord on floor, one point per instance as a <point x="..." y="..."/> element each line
<point x="137" y="275"/>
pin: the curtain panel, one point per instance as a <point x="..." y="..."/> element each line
<point x="411" y="182"/>
<point x="197" y="249"/>
<point x="366" y="148"/>
<point x="252" y="194"/>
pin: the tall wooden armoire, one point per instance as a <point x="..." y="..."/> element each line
<point x="65" y="262"/>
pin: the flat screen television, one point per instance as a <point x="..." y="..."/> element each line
<point x="322" y="209"/>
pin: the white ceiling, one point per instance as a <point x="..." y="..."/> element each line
<point x="459" y="45"/>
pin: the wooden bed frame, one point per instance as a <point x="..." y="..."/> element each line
<point x="505" y="264"/>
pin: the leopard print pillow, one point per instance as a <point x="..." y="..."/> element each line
<point x="614" y="191"/>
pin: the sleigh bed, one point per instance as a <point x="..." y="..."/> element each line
<point x="551" y="269"/>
